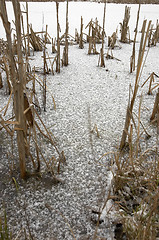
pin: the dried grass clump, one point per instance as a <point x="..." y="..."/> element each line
<point x="135" y="185"/>
<point x="136" y="178"/>
<point x="136" y="190"/>
<point x="25" y="120"/>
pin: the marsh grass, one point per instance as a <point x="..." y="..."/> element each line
<point x="135" y="185"/>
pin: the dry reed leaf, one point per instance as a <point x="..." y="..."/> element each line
<point x="47" y="90"/>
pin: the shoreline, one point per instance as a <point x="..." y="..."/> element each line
<point x="100" y="1"/>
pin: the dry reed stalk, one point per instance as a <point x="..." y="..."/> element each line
<point x="142" y="222"/>
<point x="153" y="35"/>
<point x="35" y="41"/>
<point x="42" y="133"/>
<point x="130" y="141"/>
<point x="49" y="135"/>
<point x="53" y="45"/>
<point x="132" y="59"/>
<point x="49" y="58"/>
<point x="52" y="163"/>
<point x="7" y="123"/>
<point x="89" y="39"/>
<point x="105" y="154"/>
<point x="102" y="63"/>
<point x="58" y="39"/>
<point x="124" y="26"/>
<point x="117" y="162"/>
<point x="112" y="40"/>
<point x="92" y="37"/>
<point x="27" y="111"/>
<point x="18" y="79"/>
<point x="25" y="44"/>
<point x="138" y="127"/>
<point x="81" y="45"/>
<point x="89" y="31"/>
<point x="7" y="71"/>
<point x="37" y="149"/>
<point x="25" y="41"/>
<point x="40" y="82"/>
<point x="44" y="77"/>
<point x="150" y="84"/>
<point x="29" y="154"/>
<point x="14" y="44"/>
<point x="151" y="77"/>
<point x="66" y="38"/>
<point x="28" y="35"/>
<point x="19" y="106"/>
<point x="150" y="35"/>
<point x="155" y="108"/>
<point x="96" y="129"/>
<point x="144" y="128"/>
<point x="2" y="122"/>
<point x="76" y="36"/>
<point x="9" y="100"/>
<point x="131" y="105"/>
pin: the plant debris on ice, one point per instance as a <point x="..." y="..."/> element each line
<point x="88" y="121"/>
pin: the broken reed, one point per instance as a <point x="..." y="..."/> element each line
<point x="136" y="181"/>
<point x="138" y="72"/>
<point x="58" y="40"/>
<point x="101" y="56"/>
<point x="136" y="178"/>
<point x="81" y="45"/>
<point x="136" y="191"/>
<point x="125" y="35"/>
<point x="66" y="38"/>
<point x="135" y="185"/>
<point x="132" y="59"/>
<point x="94" y="35"/>
<point x="18" y="79"/>
<point x="152" y="80"/>
<point x="24" y="111"/>
<point x="44" y="77"/>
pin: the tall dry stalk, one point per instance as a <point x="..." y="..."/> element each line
<point x="124" y="26"/>
<point x="102" y="63"/>
<point x="139" y="65"/>
<point x="27" y="19"/>
<point x="81" y="35"/>
<point x="66" y="38"/>
<point x="132" y="60"/>
<point x="18" y="78"/>
<point x="44" y="77"/>
<point x="58" y="39"/>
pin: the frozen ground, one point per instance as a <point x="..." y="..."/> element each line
<point x="85" y="95"/>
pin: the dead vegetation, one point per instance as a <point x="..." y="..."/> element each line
<point x="136" y="178"/>
<point x="26" y="121"/>
<point x="125" y="33"/>
<point x="136" y="184"/>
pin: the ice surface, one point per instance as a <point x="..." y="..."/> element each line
<point x="85" y="95"/>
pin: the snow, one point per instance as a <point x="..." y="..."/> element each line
<point x="85" y="95"/>
<point x="45" y="13"/>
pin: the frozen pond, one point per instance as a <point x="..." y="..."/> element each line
<point x="43" y="13"/>
<point x="86" y="96"/>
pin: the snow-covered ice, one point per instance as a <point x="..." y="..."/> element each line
<point x="85" y="95"/>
